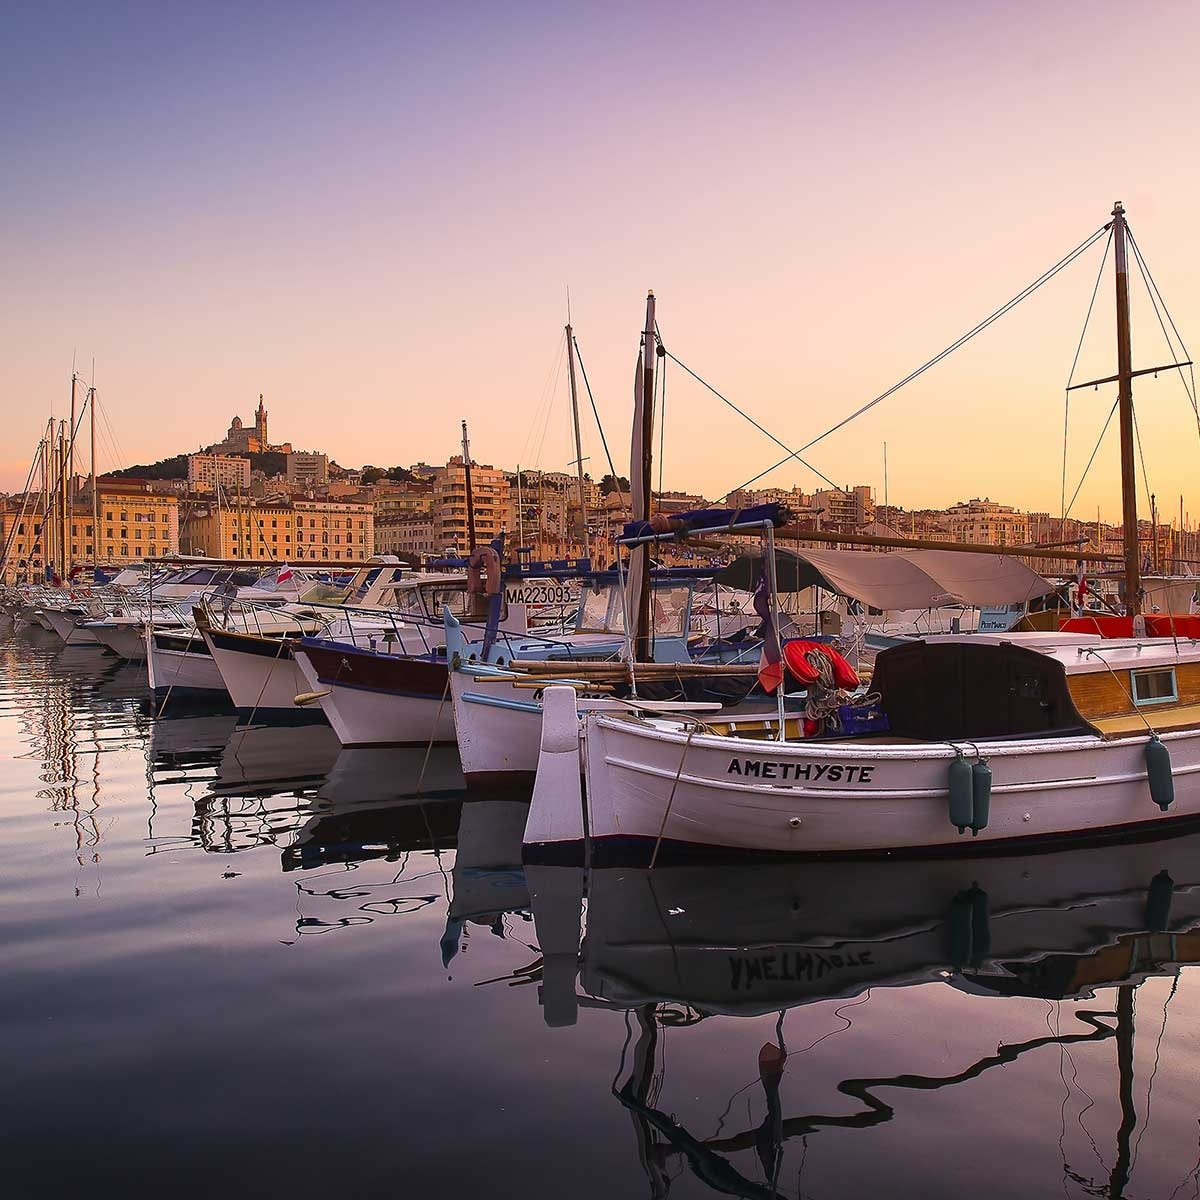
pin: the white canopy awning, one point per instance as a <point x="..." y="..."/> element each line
<point x="910" y="579"/>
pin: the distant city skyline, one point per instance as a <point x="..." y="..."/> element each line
<point x="372" y="215"/>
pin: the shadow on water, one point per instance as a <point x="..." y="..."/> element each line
<point x="1024" y="1023"/>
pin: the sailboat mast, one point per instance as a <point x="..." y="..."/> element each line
<point x="587" y="550"/>
<point x="466" y="449"/>
<point x="71" y="459"/>
<point x="64" y="537"/>
<point x="645" y="471"/>
<point x="95" y="488"/>
<point x="1133" y="582"/>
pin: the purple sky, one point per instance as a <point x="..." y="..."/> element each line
<point x="371" y="214"/>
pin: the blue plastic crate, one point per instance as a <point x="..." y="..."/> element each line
<point x="863" y="718"/>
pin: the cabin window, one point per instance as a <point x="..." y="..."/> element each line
<point x="1154" y="687"/>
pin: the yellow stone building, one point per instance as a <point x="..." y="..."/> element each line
<point x="134" y="524"/>
<point x="283" y="531"/>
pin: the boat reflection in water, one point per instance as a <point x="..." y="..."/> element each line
<point x="376" y="806"/>
<point x="488" y="879"/>
<point x="677" y="946"/>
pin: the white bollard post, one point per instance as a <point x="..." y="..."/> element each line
<point x="556" y="817"/>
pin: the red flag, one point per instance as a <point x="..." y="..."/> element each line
<point x="770" y="674"/>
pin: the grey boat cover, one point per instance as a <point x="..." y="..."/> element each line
<point x="900" y="579"/>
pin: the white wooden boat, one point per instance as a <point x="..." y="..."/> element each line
<point x="178" y="662"/>
<point x="1050" y="722"/>
<point x="1013" y="737"/>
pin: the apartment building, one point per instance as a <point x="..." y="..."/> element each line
<point x="207" y="472"/>
<point x="987" y="523"/>
<point x="490" y="493"/>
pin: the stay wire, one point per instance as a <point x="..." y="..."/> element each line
<point x="612" y="470"/>
<point x="1137" y="433"/>
<point x="792" y="454"/>
<point x="1160" y="307"/>
<point x="662" y="418"/>
<point x="1092" y="459"/>
<point x="1071" y="376"/>
<point x="1005" y="308"/>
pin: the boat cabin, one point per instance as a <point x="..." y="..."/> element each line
<point x="988" y="686"/>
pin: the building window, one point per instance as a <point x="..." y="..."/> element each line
<point x="138" y="551"/>
<point x="153" y="552"/>
<point x="1154" y="687"/>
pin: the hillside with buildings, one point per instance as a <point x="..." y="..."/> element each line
<point x="246" y="497"/>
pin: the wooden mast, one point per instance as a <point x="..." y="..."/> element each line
<point x="644" y="468"/>
<point x="71" y="462"/>
<point x="466" y="450"/>
<point x="95" y="489"/>
<point x="64" y="524"/>
<point x="587" y="548"/>
<point x="1133" y="582"/>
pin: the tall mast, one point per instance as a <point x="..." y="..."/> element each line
<point x="642" y="469"/>
<point x="466" y="449"/>
<point x="71" y="458"/>
<point x="1133" y="582"/>
<point x="520" y="510"/>
<point x="64" y="542"/>
<point x="587" y="550"/>
<point x="95" y="487"/>
<point x="44" y="467"/>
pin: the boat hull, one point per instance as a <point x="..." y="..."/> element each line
<point x="720" y="793"/>
<point x="378" y="700"/>
<point x="65" y="624"/>
<point x="126" y="641"/>
<point x="184" y="673"/>
<point x="261" y="675"/>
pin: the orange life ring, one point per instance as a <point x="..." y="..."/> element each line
<point x="795" y="655"/>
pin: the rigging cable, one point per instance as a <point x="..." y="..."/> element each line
<point x="746" y="416"/>
<point x="662" y="416"/>
<point x="1156" y="301"/>
<point x="1071" y="379"/>
<point x="612" y="470"/>
<point x="1095" y="450"/>
<point x="1005" y="308"/>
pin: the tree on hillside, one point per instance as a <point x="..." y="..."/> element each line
<point x="613" y="483"/>
<point x="166" y="468"/>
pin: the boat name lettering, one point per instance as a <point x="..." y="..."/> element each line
<point x="794" y="966"/>
<point x="809" y="772"/>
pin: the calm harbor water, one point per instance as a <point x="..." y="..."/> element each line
<point x="237" y="961"/>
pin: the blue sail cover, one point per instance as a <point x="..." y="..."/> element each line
<point x="704" y="520"/>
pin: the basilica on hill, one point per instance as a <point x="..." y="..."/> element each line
<point x="241" y="440"/>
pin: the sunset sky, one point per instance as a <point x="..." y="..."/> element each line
<point x="371" y="213"/>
